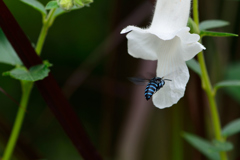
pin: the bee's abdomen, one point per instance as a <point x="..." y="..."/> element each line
<point x="150" y="90"/>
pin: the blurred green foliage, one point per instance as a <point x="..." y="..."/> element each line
<point x="70" y="40"/>
<point x="232" y="72"/>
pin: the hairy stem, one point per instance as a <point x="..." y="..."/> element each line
<point x="206" y="84"/>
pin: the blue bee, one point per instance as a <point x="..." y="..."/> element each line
<point x="153" y="85"/>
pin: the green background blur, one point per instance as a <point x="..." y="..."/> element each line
<point x="105" y="101"/>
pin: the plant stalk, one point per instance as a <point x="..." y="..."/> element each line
<point x="46" y="24"/>
<point x="26" y="90"/>
<point x="206" y="84"/>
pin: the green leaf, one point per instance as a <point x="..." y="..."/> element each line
<point x="51" y="5"/>
<point x="222" y="146"/>
<point x="194" y="65"/>
<point x="203" y="146"/>
<point x="228" y="84"/>
<point x="231" y="128"/>
<point x="233" y="83"/>
<point x="35" y="73"/>
<point x="209" y="24"/>
<point x="36" y="5"/>
<point x="7" y="53"/>
<point x="216" y="34"/>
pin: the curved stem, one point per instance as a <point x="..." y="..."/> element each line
<point x="26" y="90"/>
<point x="212" y="102"/>
<point x="46" y="24"/>
<point x="206" y="84"/>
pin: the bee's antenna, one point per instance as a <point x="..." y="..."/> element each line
<point x="167" y="79"/>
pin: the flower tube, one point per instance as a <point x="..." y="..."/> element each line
<point x="167" y="40"/>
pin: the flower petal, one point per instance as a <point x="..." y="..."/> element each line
<point x="167" y="40"/>
<point x="170" y="15"/>
<point x="171" y="66"/>
<point x="173" y="90"/>
<point x="191" y="50"/>
<point x="130" y="28"/>
<point x="141" y="44"/>
<point x="187" y="37"/>
<point x="190" y="44"/>
<point x="170" y="35"/>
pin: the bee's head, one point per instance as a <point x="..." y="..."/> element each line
<point x="158" y="79"/>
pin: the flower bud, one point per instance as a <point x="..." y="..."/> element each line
<point x="79" y="3"/>
<point x="87" y="1"/>
<point x="65" y="4"/>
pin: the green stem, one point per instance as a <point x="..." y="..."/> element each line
<point x="195" y="12"/>
<point x="46" y="24"/>
<point x="26" y="90"/>
<point x="18" y="121"/>
<point x="208" y="88"/>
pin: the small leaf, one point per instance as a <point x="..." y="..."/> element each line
<point x="194" y="65"/>
<point x="35" y="73"/>
<point x="216" y="34"/>
<point x="234" y="83"/>
<point x="36" y="5"/>
<point x="7" y="53"/>
<point x="228" y="84"/>
<point x="203" y="146"/>
<point x="51" y="5"/>
<point x="209" y="24"/>
<point x="222" y="146"/>
<point x="231" y="128"/>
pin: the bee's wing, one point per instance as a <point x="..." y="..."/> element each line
<point x="139" y="81"/>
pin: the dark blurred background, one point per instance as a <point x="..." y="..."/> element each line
<point x="91" y="64"/>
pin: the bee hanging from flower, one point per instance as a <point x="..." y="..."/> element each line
<point x="153" y="85"/>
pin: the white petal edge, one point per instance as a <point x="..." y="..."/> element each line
<point x="190" y="44"/>
<point x="130" y="28"/>
<point x="191" y="50"/>
<point x="181" y="32"/>
<point x="173" y="90"/>
<point x="141" y="44"/>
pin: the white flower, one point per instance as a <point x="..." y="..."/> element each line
<point x="167" y="40"/>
